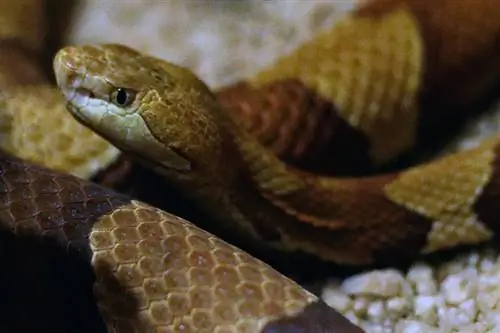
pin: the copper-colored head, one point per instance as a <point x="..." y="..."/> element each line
<point x="142" y="104"/>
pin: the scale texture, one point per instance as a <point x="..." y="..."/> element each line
<point x="354" y="96"/>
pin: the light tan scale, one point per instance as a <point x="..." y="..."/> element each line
<point x="157" y="254"/>
<point x="70" y="147"/>
<point x="445" y="192"/>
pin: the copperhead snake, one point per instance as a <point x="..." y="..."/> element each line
<point x="249" y="155"/>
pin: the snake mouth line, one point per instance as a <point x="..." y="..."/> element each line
<point x="72" y="95"/>
<point x="84" y="92"/>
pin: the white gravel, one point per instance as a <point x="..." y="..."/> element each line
<point x="461" y="295"/>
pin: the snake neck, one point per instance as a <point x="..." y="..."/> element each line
<point x="256" y="194"/>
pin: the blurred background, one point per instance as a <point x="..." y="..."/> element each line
<point x="220" y="40"/>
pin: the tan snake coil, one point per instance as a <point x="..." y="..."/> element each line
<point x="151" y="271"/>
<point x="385" y="67"/>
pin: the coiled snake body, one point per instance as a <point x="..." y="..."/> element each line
<point x="249" y="154"/>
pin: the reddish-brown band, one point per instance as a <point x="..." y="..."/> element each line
<point x="299" y="126"/>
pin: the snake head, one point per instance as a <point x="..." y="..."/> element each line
<point x="143" y="105"/>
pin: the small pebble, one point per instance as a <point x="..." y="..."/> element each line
<point x="386" y="283"/>
<point x="459" y="287"/>
<point x="412" y="326"/>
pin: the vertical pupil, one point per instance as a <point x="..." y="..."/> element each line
<point x="121" y="96"/>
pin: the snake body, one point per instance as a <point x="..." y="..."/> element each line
<point x="150" y="271"/>
<point x="249" y="155"/>
<point x="168" y="118"/>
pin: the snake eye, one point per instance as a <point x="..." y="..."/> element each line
<point x="122" y="97"/>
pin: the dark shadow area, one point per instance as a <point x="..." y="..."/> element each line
<point x="46" y="276"/>
<point x="438" y="128"/>
<point x="45" y="287"/>
<point x="59" y="15"/>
